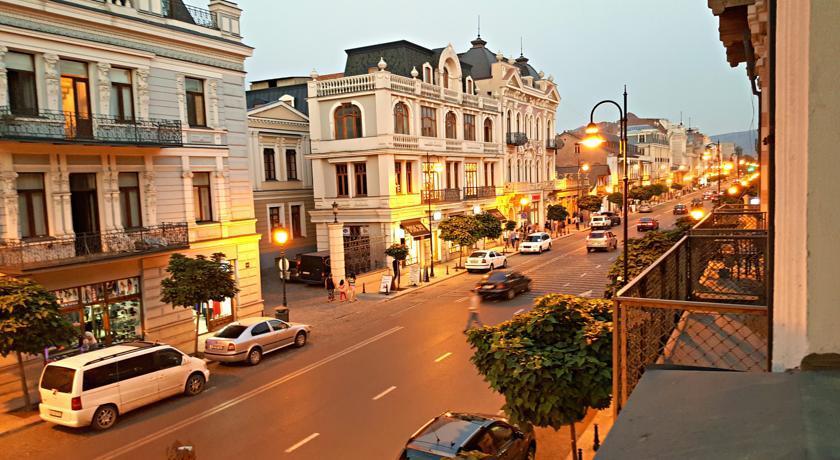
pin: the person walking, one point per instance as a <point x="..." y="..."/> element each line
<point x="577" y="222"/>
<point x="351" y="287"/>
<point x="515" y="237"/>
<point x="473" y="318"/>
<point x="329" y="283"/>
<point x="563" y="227"/>
<point x="342" y="291"/>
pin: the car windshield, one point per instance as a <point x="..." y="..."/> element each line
<point x="478" y="254"/>
<point x="411" y="454"/>
<point x="595" y="235"/>
<point x="534" y="238"/>
<point x="646" y="219"/>
<point x="58" y="378"/>
<point x="679" y="206"/>
<point x="232" y="331"/>
<point x="495" y="277"/>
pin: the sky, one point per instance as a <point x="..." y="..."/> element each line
<point x="667" y="52"/>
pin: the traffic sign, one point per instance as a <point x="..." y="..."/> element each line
<point x="283" y="264"/>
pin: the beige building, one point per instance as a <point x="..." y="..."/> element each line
<point x="123" y="141"/>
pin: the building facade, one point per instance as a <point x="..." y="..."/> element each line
<point x="123" y="141"/>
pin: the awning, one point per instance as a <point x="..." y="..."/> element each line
<point x="498" y="215"/>
<point x="415" y="228"/>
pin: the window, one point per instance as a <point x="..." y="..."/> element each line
<point x="268" y="164"/>
<point x="518" y="124"/>
<point x="195" y="102"/>
<point x="469" y="127"/>
<point x="296" y="221"/>
<point x="488" y="130"/>
<point x="32" y="205"/>
<point x="360" y="171"/>
<point x="341" y="179"/>
<point x="469" y="86"/>
<point x="538" y="130"/>
<point x="509" y="168"/>
<point x="122" y="101"/>
<point x="408" y="183"/>
<point x="168" y="358"/>
<point x="470" y="175"/>
<point x="508" y="121"/>
<point x="259" y="329"/>
<point x="452" y="174"/>
<point x="20" y="74"/>
<point x="129" y="183"/>
<point x="291" y="165"/>
<point x="201" y="197"/>
<point x="274" y="217"/>
<point x="427" y="74"/>
<point x="136" y="366"/>
<point x="502" y="434"/>
<point x="278" y="325"/>
<point x="445" y="83"/>
<point x="401" y="119"/>
<point x="348" y="121"/>
<point x="489" y="170"/>
<point x="58" y="378"/>
<point x="428" y="121"/>
<point x="398" y="176"/>
<point x="451" y="129"/>
<point x="99" y="376"/>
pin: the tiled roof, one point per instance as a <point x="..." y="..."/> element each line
<point x="257" y="97"/>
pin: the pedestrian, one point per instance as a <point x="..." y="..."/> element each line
<point x="473" y="318"/>
<point x="562" y="227"/>
<point x="329" y="283"/>
<point x="342" y="291"/>
<point x="351" y="287"/>
<point x="577" y="222"/>
<point x="515" y="240"/>
<point x="547" y="227"/>
<point x="89" y="342"/>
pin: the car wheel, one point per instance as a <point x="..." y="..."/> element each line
<point x="528" y="287"/>
<point x="549" y="246"/>
<point x="254" y="356"/>
<point x="510" y="294"/>
<point x="491" y="268"/>
<point x="105" y="417"/>
<point x="300" y="339"/>
<point x="195" y="384"/>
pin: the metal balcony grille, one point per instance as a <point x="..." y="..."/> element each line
<point x="487" y="191"/>
<point x="440" y="195"/>
<point x="517" y="139"/>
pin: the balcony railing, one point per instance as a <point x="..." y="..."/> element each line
<point x="190" y="14"/>
<point x="551" y="143"/>
<point x="517" y="139"/>
<point x="20" y="255"/>
<point x="484" y="191"/>
<point x="445" y="195"/>
<point x="703" y="303"/>
<point x="57" y="126"/>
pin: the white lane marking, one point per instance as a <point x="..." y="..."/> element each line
<point x="583" y="274"/>
<point x="518" y="311"/>
<point x="384" y="393"/>
<point x="244" y="397"/>
<point x="462" y="299"/>
<point x="586" y="293"/>
<point x="567" y="284"/>
<point x="598" y="266"/>
<point x="443" y="356"/>
<point x="302" y="442"/>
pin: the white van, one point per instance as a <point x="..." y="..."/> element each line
<point x="95" y="388"/>
<point x="599" y="221"/>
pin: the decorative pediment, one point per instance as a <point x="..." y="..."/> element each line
<point x="279" y="110"/>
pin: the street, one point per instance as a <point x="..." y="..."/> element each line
<point x="356" y="393"/>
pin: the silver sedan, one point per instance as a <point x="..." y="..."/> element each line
<point x="251" y="338"/>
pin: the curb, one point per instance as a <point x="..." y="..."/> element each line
<point x="25" y="423"/>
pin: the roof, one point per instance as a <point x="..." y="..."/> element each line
<point x="525" y="69"/>
<point x="401" y="56"/>
<point x="447" y="433"/>
<point x="480" y="58"/>
<point x="82" y="359"/>
<point x="257" y="97"/>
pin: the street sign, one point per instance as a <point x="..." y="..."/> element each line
<point x="385" y="284"/>
<point x="283" y="264"/>
<point x="414" y="275"/>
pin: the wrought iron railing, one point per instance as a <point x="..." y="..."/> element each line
<point x="484" y="191"/>
<point x="440" y="195"/>
<point x="517" y="139"/>
<point x="20" y="255"/>
<point x="58" y="126"/>
<point x="703" y="303"/>
<point x="190" y="14"/>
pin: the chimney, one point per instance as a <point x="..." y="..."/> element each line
<point x="227" y="16"/>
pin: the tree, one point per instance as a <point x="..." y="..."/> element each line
<point x="192" y="282"/>
<point x="658" y="189"/>
<point x="461" y="230"/>
<point x="590" y="203"/>
<point x="616" y="198"/>
<point x="397" y="251"/>
<point x="643" y="252"/>
<point x="488" y="225"/>
<point x="30" y="321"/>
<point x="641" y="193"/>
<point x="676" y="186"/>
<point x="552" y="363"/>
<point x="557" y="212"/>
<point x="510" y="225"/>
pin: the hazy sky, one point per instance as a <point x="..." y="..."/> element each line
<point x="666" y="51"/>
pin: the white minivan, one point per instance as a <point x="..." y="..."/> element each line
<point x="95" y="388"/>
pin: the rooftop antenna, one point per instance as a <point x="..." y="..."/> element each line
<point x="689" y="122"/>
<point x="479" y="26"/>
<point x="680" y="116"/>
<point x="521" y="46"/>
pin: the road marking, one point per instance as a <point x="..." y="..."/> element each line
<point x="567" y="284"/>
<point x="384" y="393"/>
<point x="583" y="274"/>
<point x="518" y="311"/>
<point x="462" y="299"/>
<point x="586" y="293"/>
<point x="598" y="266"/>
<point x="443" y="356"/>
<point x="244" y="397"/>
<point x="302" y="442"/>
<point x="406" y="309"/>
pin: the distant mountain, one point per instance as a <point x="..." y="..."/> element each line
<point x="746" y="139"/>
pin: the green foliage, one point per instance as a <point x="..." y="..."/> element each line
<point x="616" y="198"/>
<point x="684" y="223"/>
<point x="590" y="203"/>
<point x="30" y="318"/>
<point x="551" y="363"/>
<point x="557" y="212"/>
<point x="642" y="253"/>
<point x="658" y="189"/>
<point x="199" y="280"/>
<point x="676" y="186"/>
<point x="489" y="225"/>
<point x="397" y="251"/>
<point x="641" y="193"/>
<point x="510" y="225"/>
<point x="461" y="230"/>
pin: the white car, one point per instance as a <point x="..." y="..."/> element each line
<point x="536" y="242"/>
<point x="485" y="260"/>
<point x="601" y="240"/>
<point x="600" y="221"/>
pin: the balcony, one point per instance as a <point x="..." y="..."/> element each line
<point x="485" y="191"/>
<point x="189" y="14"/>
<point x="18" y="256"/>
<point x="703" y="303"/>
<point x="517" y="139"/>
<point x="446" y="195"/>
<point x="66" y="127"/>
<point x="551" y="143"/>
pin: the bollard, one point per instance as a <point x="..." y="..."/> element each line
<point x="596" y="443"/>
<point x="447" y="269"/>
<point x="580" y="454"/>
<point x="363" y="289"/>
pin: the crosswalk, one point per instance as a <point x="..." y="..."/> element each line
<point x="573" y="272"/>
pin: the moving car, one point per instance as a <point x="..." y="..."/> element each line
<point x="707" y="195"/>
<point x="696" y="203"/>
<point x="536" y="242"/>
<point x="502" y="284"/>
<point x="601" y="240"/>
<point x="449" y="434"/>
<point x="616" y="220"/>
<point x="680" y="209"/>
<point x="485" y="260"/>
<point x="645" y="207"/>
<point x="97" y="387"/>
<point x="600" y="221"/>
<point x="311" y="268"/>
<point x="647" y="223"/>
<point x="251" y="338"/>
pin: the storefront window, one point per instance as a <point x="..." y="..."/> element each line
<point x="215" y="314"/>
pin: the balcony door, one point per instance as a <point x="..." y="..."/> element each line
<point x="84" y="206"/>
<point x="75" y="100"/>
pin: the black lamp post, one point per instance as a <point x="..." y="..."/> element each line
<point x="281" y="236"/>
<point x="335" y="212"/>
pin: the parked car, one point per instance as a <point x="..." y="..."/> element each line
<point x="647" y="223"/>
<point x="536" y="242"/>
<point x="645" y="207"/>
<point x="485" y="260"/>
<point x="707" y="195"/>
<point x="97" y="387"/>
<point x="601" y="240"/>
<point x="502" y="284"/>
<point x="449" y="434"/>
<point x="616" y="220"/>
<point x="251" y="338"/>
<point x="680" y="209"/>
<point x="599" y="221"/>
<point x="311" y="268"/>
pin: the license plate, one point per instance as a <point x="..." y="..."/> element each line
<point x="55" y="413"/>
<point x="217" y="347"/>
<point x="305" y="273"/>
<point x="487" y="286"/>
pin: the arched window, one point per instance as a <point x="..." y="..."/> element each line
<point x="445" y="78"/>
<point x="401" y="120"/>
<point x="547" y="169"/>
<point x="488" y="130"/>
<point x="518" y="170"/>
<point x="509" y="172"/>
<point x="348" y="121"/>
<point x="508" y="122"/>
<point x="469" y="86"/>
<point x="427" y="74"/>
<point x="518" y="123"/>
<point x="451" y="125"/>
<point x="538" y="131"/>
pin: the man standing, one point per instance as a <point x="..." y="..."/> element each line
<point x="473" y="318"/>
<point x="329" y="283"/>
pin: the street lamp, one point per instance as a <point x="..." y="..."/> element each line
<point x="593" y="140"/>
<point x="708" y="155"/>
<point x="697" y="214"/>
<point x="335" y="212"/>
<point x="280" y="236"/>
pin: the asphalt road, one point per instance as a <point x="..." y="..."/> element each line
<point x="354" y="396"/>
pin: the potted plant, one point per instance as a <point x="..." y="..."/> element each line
<point x="397" y="251"/>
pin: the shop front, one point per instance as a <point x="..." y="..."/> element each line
<point x="418" y="244"/>
<point x="112" y="310"/>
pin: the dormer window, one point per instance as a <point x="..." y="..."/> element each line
<point x="445" y="78"/>
<point x="470" y="88"/>
<point x="427" y="73"/>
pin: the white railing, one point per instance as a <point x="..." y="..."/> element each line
<point x="470" y="100"/>
<point x="490" y="104"/>
<point x="429" y="90"/>
<point x="354" y="84"/>
<point x="454" y="145"/>
<point x="450" y="95"/>
<point x="403" y="84"/>
<point x="405" y="142"/>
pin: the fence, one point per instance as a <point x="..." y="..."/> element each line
<point x="363" y="253"/>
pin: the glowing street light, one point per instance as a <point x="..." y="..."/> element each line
<point x="280" y="236"/>
<point x="585" y="167"/>
<point x="733" y="190"/>
<point x="524" y="201"/>
<point x="697" y="214"/>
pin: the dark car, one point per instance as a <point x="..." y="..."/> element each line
<point x="680" y="209"/>
<point x="450" y="434"/>
<point x="696" y="203"/>
<point x="647" y="223"/>
<point x="311" y="268"/>
<point x="616" y="220"/>
<point x="502" y="284"/>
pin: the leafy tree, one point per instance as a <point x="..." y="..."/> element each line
<point x="552" y="363"/>
<point x="658" y="189"/>
<point x="557" y="212"/>
<point x="676" y="186"/>
<point x="489" y="226"/>
<point x="194" y="281"/>
<point x="641" y="193"/>
<point x="616" y="198"/>
<point x="461" y="230"/>
<point x="397" y="251"/>
<point x="684" y="223"/>
<point x="510" y="225"/>
<point x="590" y="203"/>
<point x="30" y="321"/>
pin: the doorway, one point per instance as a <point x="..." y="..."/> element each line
<point x="75" y="100"/>
<point x="84" y="206"/>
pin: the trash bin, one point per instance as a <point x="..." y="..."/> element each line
<point x="281" y="313"/>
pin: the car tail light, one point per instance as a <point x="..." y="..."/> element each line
<point x="231" y="347"/>
<point x="484" y="261"/>
<point x="76" y="403"/>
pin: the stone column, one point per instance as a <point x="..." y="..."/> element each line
<point x="213" y="103"/>
<point x="182" y="100"/>
<point x="103" y="76"/>
<point x="52" y="75"/>
<point x="336" y="241"/>
<point x="4" y="83"/>
<point x="147" y="179"/>
<point x="143" y="93"/>
<point x="9" y="202"/>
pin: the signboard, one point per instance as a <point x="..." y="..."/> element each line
<point x="385" y="284"/>
<point x="414" y="275"/>
<point x="415" y="228"/>
<point x="535" y="197"/>
<point x="283" y="267"/>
